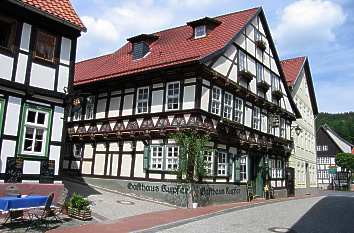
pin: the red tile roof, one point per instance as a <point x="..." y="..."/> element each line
<point x="174" y="46"/>
<point x="61" y="9"/>
<point x="292" y="68"/>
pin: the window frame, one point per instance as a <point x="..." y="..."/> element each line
<point x="11" y="40"/>
<point x="174" y="96"/>
<point x="93" y="102"/>
<point x="209" y="162"/>
<point x="174" y="159"/>
<point x="204" y="32"/>
<point x="216" y="101"/>
<point x="256" y="118"/>
<point x="39" y="34"/>
<point x="152" y="157"/>
<point x="222" y="166"/>
<point x="282" y="130"/>
<point x="47" y="131"/>
<point x="143" y="101"/>
<point x="239" y="110"/>
<point x="242" y="59"/>
<point x="245" y="172"/>
<point x="227" y="110"/>
<point x="75" y="147"/>
<point x="259" y="72"/>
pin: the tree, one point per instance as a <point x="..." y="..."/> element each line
<point x="191" y="154"/>
<point x="346" y="161"/>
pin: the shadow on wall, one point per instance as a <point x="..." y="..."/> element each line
<point x="331" y="214"/>
<point x="79" y="186"/>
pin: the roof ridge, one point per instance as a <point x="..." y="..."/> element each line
<point x="294" y="58"/>
<point x="336" y="134"/>
<point x="93" y="58"/>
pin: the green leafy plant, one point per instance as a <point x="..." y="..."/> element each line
<point x="79" y="202"/>
<point x="346" y="161"/>
<point x="192" y="145"/>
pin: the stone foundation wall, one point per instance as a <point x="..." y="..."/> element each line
<point x="280" y="193"/>
<point x="306" y="191"/>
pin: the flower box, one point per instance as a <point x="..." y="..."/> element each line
<point x="247" y="75"/>
<point x="277" y="94"/>
<point x="263" y="86"/>
<point x="261" y="45"/>
<point x="80" y="214"/>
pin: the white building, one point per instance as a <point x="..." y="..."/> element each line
<point x="303" y="157"/>
<point x="37" y="58"/>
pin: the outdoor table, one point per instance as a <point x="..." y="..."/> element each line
<point x="13" y="204"/>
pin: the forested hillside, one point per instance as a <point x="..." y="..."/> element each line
<point x="342" y="123"/>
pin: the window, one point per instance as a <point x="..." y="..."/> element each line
<point x="199" y="31"/>
<point x="172" y="158"/>
<point x="7" y="32"/>
<point x="238" y="110"/>
<point x="319" y="148"/>
<point x="242" y="60"/>
<point x="77" y="149"/>
<point x="257" y="35"/>
<point x="140" y="49"/>
<point x="216" y="101"/>
<point x="270" y="124"/>
<point x="142" y="100"/>
<point x="222" y="164"/>
<point x="260" y="69"/>
<point x="275" y="83"/>
<point x="173" y="96"/>
<point x="208" y="160"/>
<point x="276" y="168"/>
<point x="256" y="118"/>
<point x="325" y="148"/>
<point x="228" y="106"/>
<point x="279" y="169"/>
<point x="35" y="126"/>
<point x="282" y="128"/>
<point x="156" y="157"/>
<point x="243" y="169"/>
<point x="90" y="107"/>
<point x="77" y="115"/>
<point x="45" y="46"/>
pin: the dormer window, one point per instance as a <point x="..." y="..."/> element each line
<point x="140" y="49"/>
<point x="199" y="31"/>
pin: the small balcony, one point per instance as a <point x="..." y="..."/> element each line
<point x="246" y="75"/>
<point x="262" y="86"/>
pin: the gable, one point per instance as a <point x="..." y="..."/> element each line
<point x="323" y="139"/>
<point x="228" y="63"/>
<point x="301" y="91"/>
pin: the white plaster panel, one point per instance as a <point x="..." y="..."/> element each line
<point x="230" y="52"/>
<point x="267" y="76"/>
<point x="221" y="146"/>
<point x="126" y="164"/>
<point x="25" y="37"/>
<point x="222" y="66"/>
<point x="157" y="101"/>
<point x="8" y="149"/>
<point x="273" y="66"/>
<point x="86" y="167"/>
<point x="113" y="146"/>
<point x="128" y="105"/>
<point x="205" y="99"/>
<point x="189" y="97"/>
<point x="129" y="91"/>
<point x="115" y="160"/>
<point x="206" y="82"/>
<point x="248" y="116"/>
<point x="127" y="146"/>
<point x="139" y="167"/>
<point x="259" y="55"/>
<point x="253" y="85"/>
<point x="266" y="60"/>
<point x="233" y="73"/>
<point x="101" y="108"/>
<point x="170" y="177"/>
<point x="157" y="85"/>
<point x="139" y="146"/>
<point x="42" y="76"/>
<point x="251" y="47"/>
<point x="255" y="22"/>
<point x="12" y="116"/>
<point x="240" y="40"/>
<point x="21" y="68"/>
<point x="157" y="141"/>
<point x="6" y="65"/>
<point x="251" y="63"/>
<point x="250" y="31"/>
<point x="55" y="155"/>
<point x="65" y="50"/>
<point x="63" y="78"/>
<point x="31" y="167"/>
<point x="114" y="107"/>
<point x="261" y="27"/>
<point x="99" y="164"/>
<point x="58" y="117"/>
<point x="88" y="151"/>
<point x="155" y="176"/>
<point x="100" y="147"/>
<point x="190" y="80"/>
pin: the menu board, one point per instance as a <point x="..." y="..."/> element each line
<point x="47" y="171"/>
<point x="14" y="170"/>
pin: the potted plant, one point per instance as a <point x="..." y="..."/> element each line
<point x="247" y="75"/>
<point x="261" y="45"/>
<point x="79" y="207"/>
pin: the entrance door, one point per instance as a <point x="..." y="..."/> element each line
<point x="290" y="181"/>
<point x="307" y="175"/>
<point x="259" y="176"/>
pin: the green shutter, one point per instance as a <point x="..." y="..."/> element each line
<point x="146" y="157"/>
<point x="229" y="164"/>
<point x="237" y="169"/>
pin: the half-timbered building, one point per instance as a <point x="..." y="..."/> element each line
<point x="220" y="76"/>
<point x="303" y="157"/>
<point x="329" y="144"/>
<point x="37" y="59"/>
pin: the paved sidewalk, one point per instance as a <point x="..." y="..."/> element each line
<point x="150" y="220"/>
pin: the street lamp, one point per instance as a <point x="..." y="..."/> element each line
<point x="298" y="130"/>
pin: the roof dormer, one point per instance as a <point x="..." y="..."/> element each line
<point x="141" y="44"/>
<point x="202" y="27"/>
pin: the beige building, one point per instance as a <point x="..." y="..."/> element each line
<point x="303" y="157"/>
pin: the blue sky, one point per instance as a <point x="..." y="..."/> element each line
<point x="323" y="30"/>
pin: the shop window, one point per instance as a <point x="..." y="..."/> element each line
<point x="35" y="127"/>
<point x="164" y="157"/>
<point x="216" y="101"/>
<point x="142" y="100"/>
<point x="228" y="106"/>
<point x="7" y="32"/>
<point x="173" y="91"/>
<point x="45" y="46"/>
